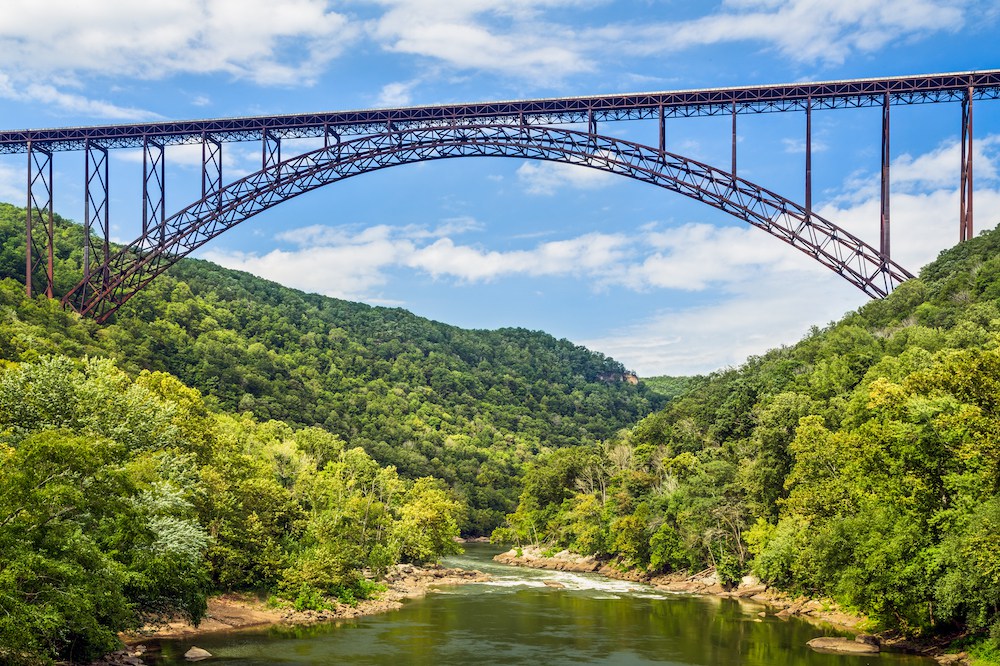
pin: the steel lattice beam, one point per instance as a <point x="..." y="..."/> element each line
<point x="95" y="209"/>
<point x="211" y="165"/>
<point x="136" y="265"/>
<point x="38" y="247"/>
<point x="966" y="181"/>
<point x="856" y="93"/>
<point x="154" y="186"/>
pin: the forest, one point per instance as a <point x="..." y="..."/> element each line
<point x="861" y="464"/>
<point x="467" y="407"/>
<point x="227" y="433"/>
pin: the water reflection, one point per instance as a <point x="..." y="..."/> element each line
<point x="518" y="620"/>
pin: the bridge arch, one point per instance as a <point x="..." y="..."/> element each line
<point x="133" y="267"/>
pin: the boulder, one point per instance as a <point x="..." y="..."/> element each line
<point x="843" y="645"/>
<point x="197" y="654"/>
<point x="553" y="583"/>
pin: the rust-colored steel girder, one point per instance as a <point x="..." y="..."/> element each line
<point x="855" y="93"/>
<point x="153" y="138"/>
<point x="148" y="256"/>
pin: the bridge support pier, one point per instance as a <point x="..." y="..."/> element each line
<point x="38" y="255"/>
<point x="809" y="157"/>
<point x="95" y="210"/>
<point x="270" y="149"/>
<point x="734" y="140"/>
<point x="154" y="209"/>
<point x="211" y="167"/>
<point x="965" y="183"/>
<point x="884" y="221"/>
<point x="663" y="131"/>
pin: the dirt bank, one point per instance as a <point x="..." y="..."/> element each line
<point x="779" y="604"/>
<point x="229" y="612"/>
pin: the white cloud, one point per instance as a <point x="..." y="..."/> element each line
<point x="501" y="36"/>
<point x="52" y="48"/>
<point x="347" y="271"/>
<point x="520" y="39"/>
<point x="260" y="40"/>
<point x="546" y="178"/>
<point x="940" y="167"/>
<point x="764" y="311"/>
<point x="46" y="94"/>
<point x="588" y="255"/>
<point x="757" y="292"/>
<point x="12" y="184"/>
<point x="770" y="295"/>
<point x="803" y="30"/>
<point x="694" y="257"/>
<point x="238" y="160"/>
<point x="397" y="93"/>
<point x="52" y="45"/>
<point x="798" y="146"/>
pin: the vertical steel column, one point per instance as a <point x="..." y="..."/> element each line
<point x="270" y="150"/>
<point x="40" y="205"/>
<point x="663" y="131"/>
<point x="95" y="210"/>
<point x="211" y="168"/>
<point x="734" y="138"/>
<point x="809" y="168"/>
<point x="884" y="221"/>
<point x="327" y="133"/>
<point x="154" y="187"/>
<point x="591" y="123"/>
<point x="965" y="184"/>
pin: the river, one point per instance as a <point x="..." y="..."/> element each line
<point x="517" y="619"/>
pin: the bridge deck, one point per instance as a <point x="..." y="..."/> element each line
<point x="682" y="103"/>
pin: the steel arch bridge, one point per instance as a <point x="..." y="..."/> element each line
<point x="358" y="142"/>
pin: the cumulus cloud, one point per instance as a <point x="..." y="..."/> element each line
<point x="11" y="184"/>
<point x="588" y="255"/>
<point x="939" y="167"/>
<point x="238" y="160"/>
<point x="770" y="295"/>
<point x="263" y="41"/>
<point x="763" y="311"/>
<point x="500" y="36"/>
<point x="520" y="38"/>
<point x="546" y="178"/>
<point x="51" y="47"/>
<point x="396" y="93"/>
<point x="803" y="30"/>
<point x="293" y="42"/>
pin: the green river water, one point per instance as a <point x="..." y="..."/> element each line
<point x="516" y="619"/>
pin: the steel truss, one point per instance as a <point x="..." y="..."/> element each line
<point x="95" y="210"/>
<point x="39" y="223"/>
<point x="857" y="93"/>
<point x="398" y="131"/>
<point x="217" y="211"/>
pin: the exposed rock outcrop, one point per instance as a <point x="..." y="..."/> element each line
<point x="842" y="645"/>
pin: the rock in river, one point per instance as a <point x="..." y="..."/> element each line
<point x="197" y="654"/>
<point x="844" y="645"/>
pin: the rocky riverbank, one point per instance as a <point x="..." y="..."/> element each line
<point x="778" y="603"/>
<point x="231" y="612"/>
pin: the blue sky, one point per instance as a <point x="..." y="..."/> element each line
<point x="661" y="283"/>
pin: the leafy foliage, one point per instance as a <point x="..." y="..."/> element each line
<point x="862" y="463"/>
<point x="228" y="433"/>
<point x="468" y="407"/>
